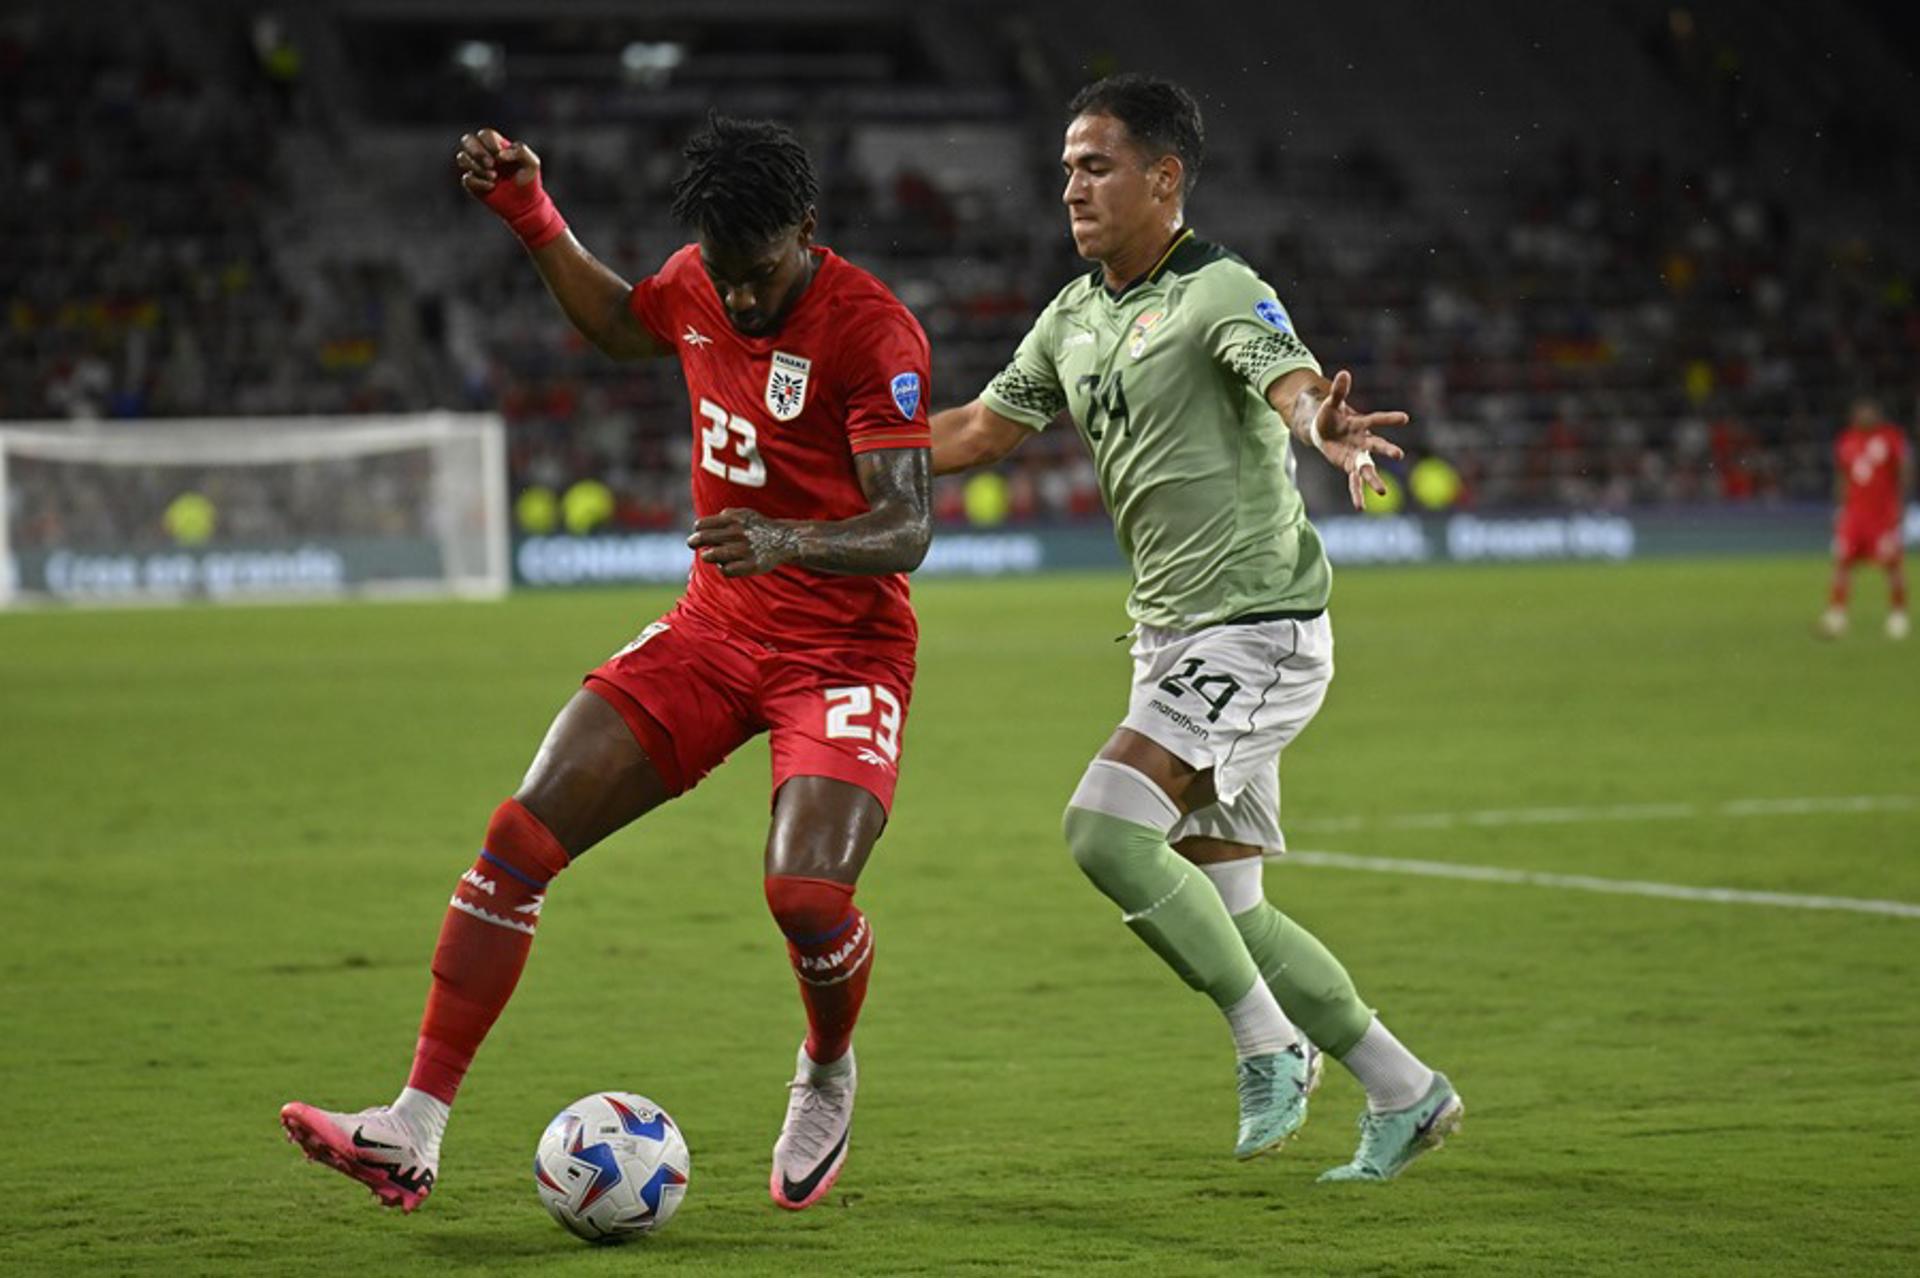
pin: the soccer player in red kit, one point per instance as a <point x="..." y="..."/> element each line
<point x="1873" y="473"/>
<point x="808" y="381"/>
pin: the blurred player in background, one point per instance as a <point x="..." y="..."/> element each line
<point x="1872" y="476"/>
<point x="1183" y="374"/>
<point x="811" y="487"/>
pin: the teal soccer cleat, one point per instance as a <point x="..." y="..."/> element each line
<point x="1273" y="1097"/>
<point x="1388" y="1142"/>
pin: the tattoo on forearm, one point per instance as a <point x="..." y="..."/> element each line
<point x="892" y="536"/>
<point x="774" y="540"/>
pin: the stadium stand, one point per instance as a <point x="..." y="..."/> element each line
<point x="1650" y="286"/>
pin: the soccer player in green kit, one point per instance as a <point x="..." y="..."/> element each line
<point x="1182" y="372"/>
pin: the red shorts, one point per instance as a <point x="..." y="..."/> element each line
<point x="831" y="712"/>
<point x="1855" y="540"/>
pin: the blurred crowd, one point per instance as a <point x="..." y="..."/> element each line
<point x="1636" y="335"/>
<point x="194" y="231"/>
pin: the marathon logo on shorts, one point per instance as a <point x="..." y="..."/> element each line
<point x="1178" y="718"/>
<point x="787" y="385"/>
<point x="906" y="394"/>
<point x="1274" y="315"/>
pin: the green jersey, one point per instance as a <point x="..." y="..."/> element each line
<point x="1167" y="384"/>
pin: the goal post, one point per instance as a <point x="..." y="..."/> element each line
<point x="229" y="509"/>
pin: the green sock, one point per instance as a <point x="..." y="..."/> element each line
<point x="1166" y="900"/>
<point x="1308" y="982"/>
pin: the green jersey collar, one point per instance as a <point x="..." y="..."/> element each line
<point x="1179" y="255"/>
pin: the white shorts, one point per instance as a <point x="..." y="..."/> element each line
<point x="1231" y="698"/>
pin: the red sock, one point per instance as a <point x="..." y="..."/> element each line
<point x="831" y="948"/>
<point x="1897" y="582"/>
<point x="483" y="945"/>
<point x="1837" y="595"/>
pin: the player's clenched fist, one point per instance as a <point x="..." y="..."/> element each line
<point x="505" y="176"/>
<point x="743" y="543"/>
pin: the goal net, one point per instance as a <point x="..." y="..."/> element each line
<point x="246" y="508"/>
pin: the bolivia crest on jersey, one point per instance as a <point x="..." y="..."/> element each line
<point x="906" y="393"/>
<point x="1142" y="329"/>
<point x="787" y="385"/>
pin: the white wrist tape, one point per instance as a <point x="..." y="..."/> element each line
<point x="1313" y="430"/>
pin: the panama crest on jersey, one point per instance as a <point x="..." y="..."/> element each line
<point x="787" y="385"/>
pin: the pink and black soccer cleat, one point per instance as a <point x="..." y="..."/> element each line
<point x="813" y="1141"/>
<point x="372" y="1146"/>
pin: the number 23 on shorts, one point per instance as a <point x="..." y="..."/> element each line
<point x="865" y="713"/>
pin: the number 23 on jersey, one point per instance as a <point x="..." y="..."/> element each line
<point x="730" y="447"/>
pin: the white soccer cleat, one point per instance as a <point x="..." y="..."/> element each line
<point x="813" y="1141"/>
<point x="1833" y="623"/>
<point x="373" y="1147"/>
<point x="1897" y="625"/>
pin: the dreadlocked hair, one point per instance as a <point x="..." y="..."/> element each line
<point x="746" y="181"/>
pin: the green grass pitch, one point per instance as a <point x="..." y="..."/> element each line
<point x="230" y="835"/>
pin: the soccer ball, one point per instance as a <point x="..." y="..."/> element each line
<point x="612" y="1166"/>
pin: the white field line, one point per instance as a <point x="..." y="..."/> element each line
<point x="1589" y="883"/>
<point x="1855" y="803"/>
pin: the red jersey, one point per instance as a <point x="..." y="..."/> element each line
<point x="1870" y="459"/>
<point x="777" y="421"/>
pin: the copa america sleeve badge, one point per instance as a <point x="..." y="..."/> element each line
<point x="906" y="394"/>
<point x="1274" y="315"/>
<point x="787" y="385"/>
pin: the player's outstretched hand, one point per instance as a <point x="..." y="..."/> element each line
<point x="744" y="543"/>
<point x="1347" y="439"/>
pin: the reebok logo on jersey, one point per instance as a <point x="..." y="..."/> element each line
<point x="1274" y="315"/>
<point x="868" y="754"/>
<point x="694" y="337"/>
<point x="787" y="385"/>
<point x="1078" y="339"/>
<point x="906" y="393"/>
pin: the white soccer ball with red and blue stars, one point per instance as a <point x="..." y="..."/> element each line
<point x="612" y="1166"/>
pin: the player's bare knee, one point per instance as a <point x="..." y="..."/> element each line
<point x="823" y="828"/>
<point x="556" y="798"/>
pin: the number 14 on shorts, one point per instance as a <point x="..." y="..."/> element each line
<point x="866" y="713"/>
